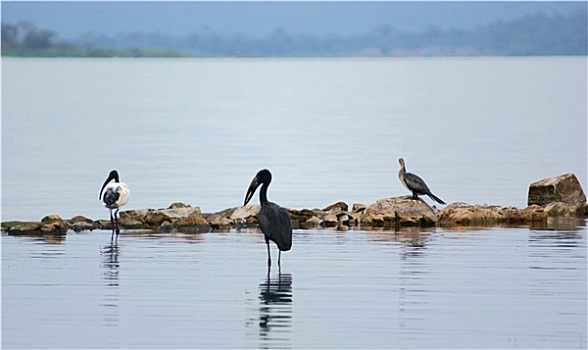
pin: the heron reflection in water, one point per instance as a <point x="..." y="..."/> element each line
<point x="275" y="310"/>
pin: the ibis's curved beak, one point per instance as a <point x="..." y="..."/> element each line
<point x="251" y="190"/>
<point x="112" y="176"/>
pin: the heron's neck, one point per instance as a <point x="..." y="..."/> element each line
<point x="263" y="194"/>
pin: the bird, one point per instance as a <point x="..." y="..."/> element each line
<point x="415" y="184"/>
<point x="274" y="220"/>
<point x="114" y="194"/>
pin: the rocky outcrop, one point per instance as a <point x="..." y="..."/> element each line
<point x="556" y="198"/>
<point x="398" y="212"/>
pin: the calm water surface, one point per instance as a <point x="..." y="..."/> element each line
<point x="478" y="130"/>
<point x="487" y="288"/>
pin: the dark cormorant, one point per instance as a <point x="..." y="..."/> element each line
<point x="415" y="184"/>
<point x="274" y="220"/>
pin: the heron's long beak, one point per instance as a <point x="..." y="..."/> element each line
<point x="251" y="190"/>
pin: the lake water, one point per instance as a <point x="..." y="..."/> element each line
<point x="478" y="130"/>
<point x="490" y="288"/>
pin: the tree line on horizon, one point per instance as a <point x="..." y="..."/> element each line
<point x="531" y="35"/>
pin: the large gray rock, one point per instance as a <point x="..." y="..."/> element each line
<point x="564" y="188"/>
<point x="399" y="211"/>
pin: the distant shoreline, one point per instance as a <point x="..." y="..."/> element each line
<point x="531" y="35"/>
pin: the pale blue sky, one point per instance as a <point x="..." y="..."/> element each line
<point x="71" y="19"/>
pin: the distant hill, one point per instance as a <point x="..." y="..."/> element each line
<point x="530" y="35"/>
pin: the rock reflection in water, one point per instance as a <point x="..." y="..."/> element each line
<point x="110" y="276"/>
<point x="275" y="311"/>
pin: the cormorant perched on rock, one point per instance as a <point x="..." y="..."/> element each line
<point x="415" y="184"/>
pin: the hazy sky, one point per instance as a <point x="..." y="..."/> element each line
<point x="70" y="19"/>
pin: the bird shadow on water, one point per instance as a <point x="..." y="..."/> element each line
<point x="275" y="311"/>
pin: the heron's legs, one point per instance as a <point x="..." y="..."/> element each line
<point x="269" y="255"/>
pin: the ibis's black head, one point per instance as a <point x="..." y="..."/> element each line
<point x="112" y="176"/>
<point x="263" y="177"/>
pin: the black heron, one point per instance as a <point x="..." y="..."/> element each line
<point x="114" y="194"/>
<point x="415" y="184"/>
<point x="274" y="220"/>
